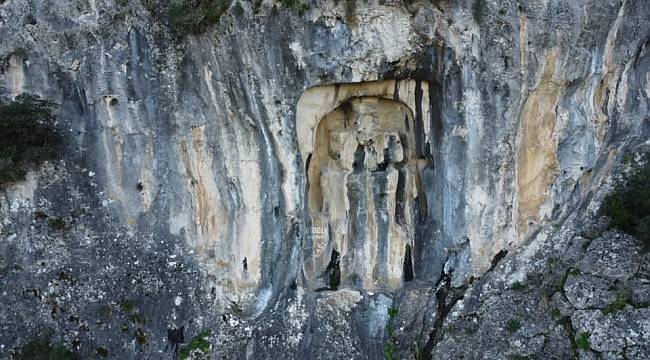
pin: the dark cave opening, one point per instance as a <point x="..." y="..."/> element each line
<point x="334" y="271"/>
<point x="408" y="264"/>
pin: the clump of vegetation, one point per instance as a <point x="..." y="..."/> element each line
<point x="559" y="287"/>
<point x="39" y="215"/>
<point x="27" y="136"/>
<point x="149" y="4"/>
<point x="392" y="312"/>
<point x="628" y="205"/>
<point x="200" y="343"/>
<point x="194" y="16"/>
<point x="618" y="304"/>
<point x="43" y="349"/>
<point x="513" y="325"/>
<point x="574" y="272"/>
<point x="582" y="342"/>
<point x="102" y="351"/>
<point x="138" y="319"/>
<point x="140" y="336"/>
<point x="517" y="286"/>
<point x="556" y="314"/>
<point x="389" y="351"/>
<point x="297" y="5"/>
<point x="127" y="305"/>
<point x="56" y="223"/>
<point x="389" y="348"/>
<point x="236" y="308"/>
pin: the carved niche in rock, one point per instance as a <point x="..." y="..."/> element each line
<point x="363" y="189"/>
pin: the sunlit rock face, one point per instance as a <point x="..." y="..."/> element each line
<point x="363" y="194"/>
<point x="365" y="197"/>
<point x="219" y="180"/>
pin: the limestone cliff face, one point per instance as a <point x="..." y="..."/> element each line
<point x="233" y="180"/>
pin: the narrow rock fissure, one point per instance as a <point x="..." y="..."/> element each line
<point x="443" y="308"/>
<point x="400" y="197"/>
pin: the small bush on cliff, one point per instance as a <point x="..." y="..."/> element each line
<point x="618" y="304"/>
<point x="194" y="16"/>
<point x="628" y="205"/>
<point x="582" y="342"/>
<point x="297" y="5"/>
<point x="57" y="223"/>
<point x="43" y="349"/>
<point x="199" y="344"/>
<point x="27" y="136"/>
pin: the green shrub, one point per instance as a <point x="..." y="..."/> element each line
<point x="200" y="342"/>
<point x="194" y="16"/>
<point x="39" y="215"/>
<point x="102" y="351"/>
<point x="141" y="337"/>
<point x="628" y="205"/>
<point x="512" y="325"/>
<point x="296" y="5"/>
<point x="618" y="304"/>
<point x="389" y="347"/>
<point x="517" y="286"/>
<point x="392" y="312"/>
<point x="56" y="223"/>
<point x="389" y="351"/>
<point x="43" y="349"/>
<point x="127" y="305"/>
<point x="149" y="4"/>
<point x="582" y="342"/>
<point x="27" y="136"/>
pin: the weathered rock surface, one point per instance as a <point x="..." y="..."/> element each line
<point x="562" y="308"/>
<point x="188" y="180"/>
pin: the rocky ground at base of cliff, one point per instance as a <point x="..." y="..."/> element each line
<point x="575" y="291"/>
<point x="579" y="294"/>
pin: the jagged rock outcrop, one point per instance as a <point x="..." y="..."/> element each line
<point x="576" y="297"/>
<point x="393" y="151"/>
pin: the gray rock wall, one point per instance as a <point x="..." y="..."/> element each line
<point x="183" y="186"/>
